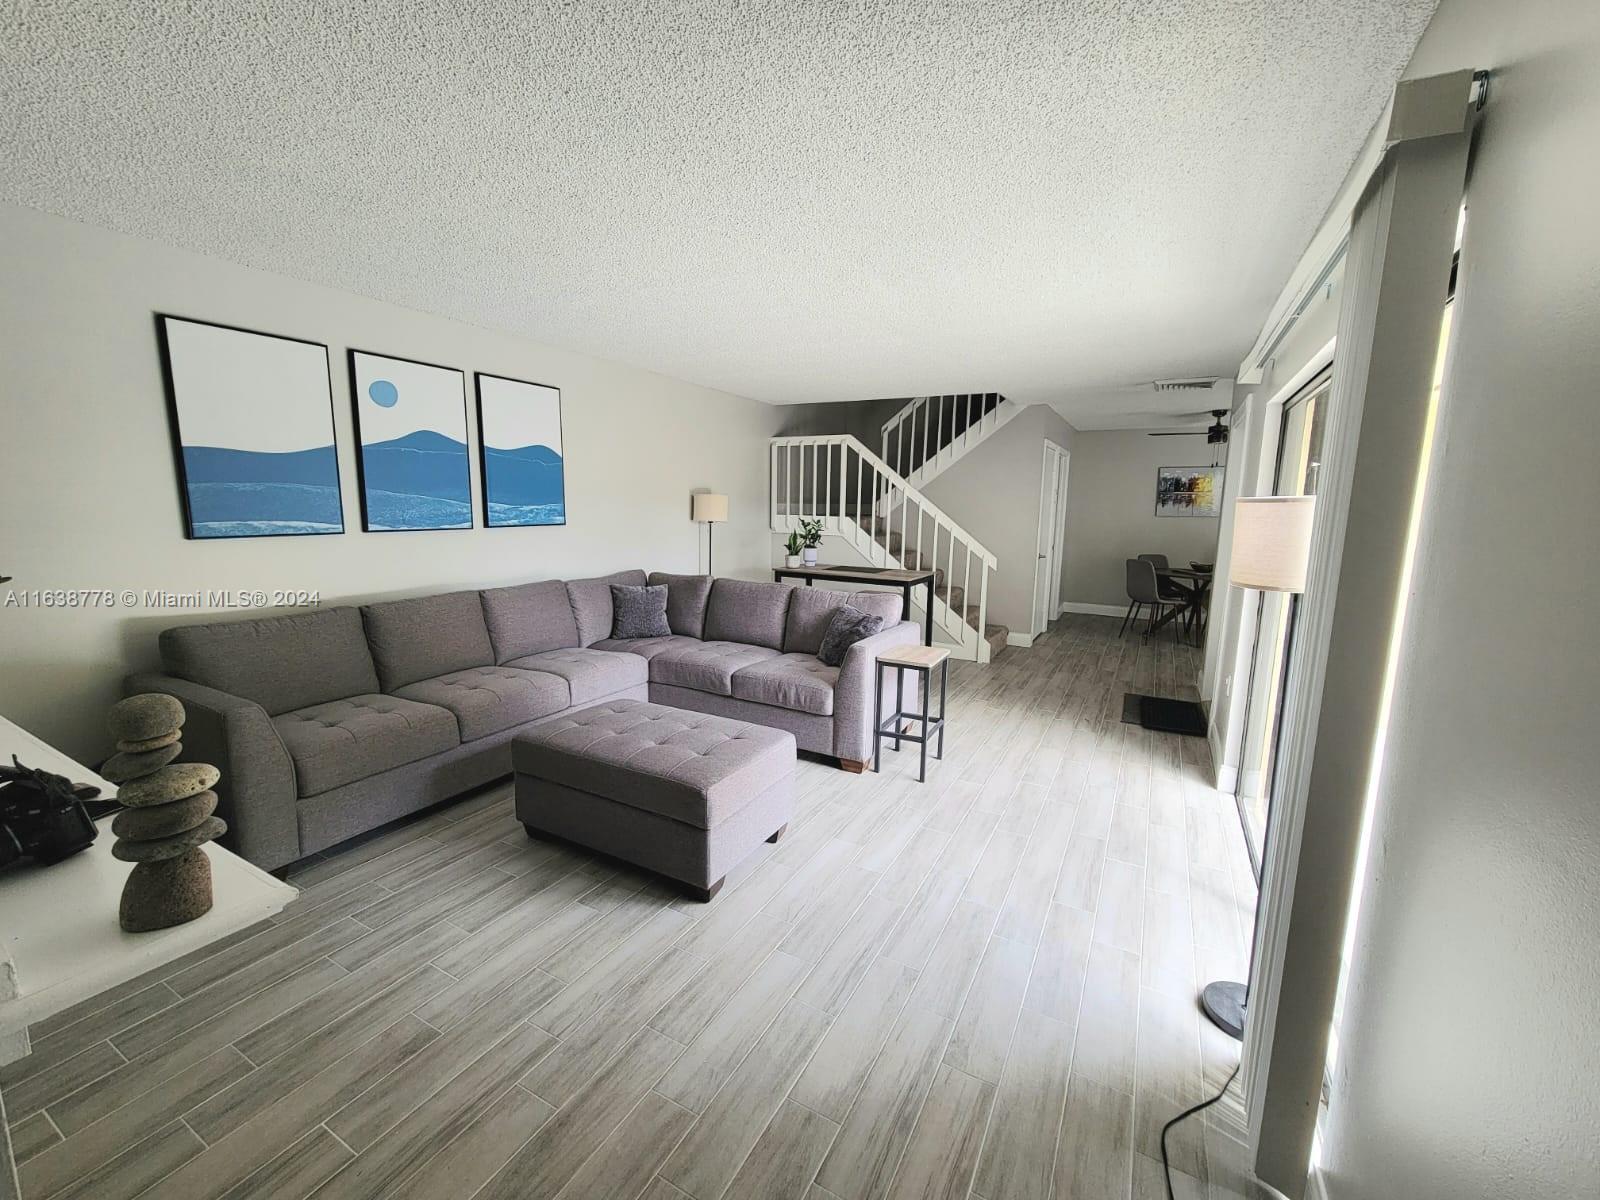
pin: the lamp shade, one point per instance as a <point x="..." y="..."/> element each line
<point x="1271" y="542"/>
<point x="708" y="506"/>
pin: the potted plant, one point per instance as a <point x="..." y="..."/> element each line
<point x="810" y="539"/>
<point x="794" y="545"/>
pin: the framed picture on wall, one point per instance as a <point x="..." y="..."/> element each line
<point x="252" y="430"/>
<point x="411" y="435"/>
<point x="1189" y="491"/>
<point x="520" y="452"/>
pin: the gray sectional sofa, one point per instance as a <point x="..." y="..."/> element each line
<point x="330" y="723"/>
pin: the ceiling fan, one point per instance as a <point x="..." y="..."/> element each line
<point x="1216" y="434"/>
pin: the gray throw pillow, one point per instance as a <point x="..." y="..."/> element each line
<point x="639" y="612"/>
<point x="849" y="626"/>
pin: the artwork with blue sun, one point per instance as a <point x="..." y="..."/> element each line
<point x="411" y="427"/>
<point x="519" y="432"/>
<point x="252" y="422"/>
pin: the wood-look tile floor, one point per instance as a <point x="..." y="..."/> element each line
<point x="983" y="985"/>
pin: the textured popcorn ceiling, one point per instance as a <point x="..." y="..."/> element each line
<point x="792" y="201"/>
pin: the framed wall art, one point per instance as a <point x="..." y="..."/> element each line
<point x="520" y="452"/>
<point x="252" y="430"/>
<point x="1189" y="491"/>
<point x="411" y="435"/>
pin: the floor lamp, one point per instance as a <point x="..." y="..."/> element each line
<point x="708" y="508"/>
<point x="1271" y="550"/>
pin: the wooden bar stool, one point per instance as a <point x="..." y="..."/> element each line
<point x="920" y="660"/>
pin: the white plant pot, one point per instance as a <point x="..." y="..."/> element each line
<point x="792" y="561"/>
<point x="810" y="553"/>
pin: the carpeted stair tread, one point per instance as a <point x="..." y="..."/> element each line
<point x="995" y="635"/>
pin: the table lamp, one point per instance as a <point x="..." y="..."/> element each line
<point x="708" y="508"/>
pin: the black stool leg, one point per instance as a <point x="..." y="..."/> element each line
<point x="877" y="717"/>
<point x="927" y="697"/>
<point x="944" y="683"/>
<point x="899" y="699"/>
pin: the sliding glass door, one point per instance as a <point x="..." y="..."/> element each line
<point x="1299" y="458"/>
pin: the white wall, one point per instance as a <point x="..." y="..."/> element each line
<point x="89" y="498"/>
<point x="1470" y="1058"/>
<point x="993" y="493"/>
<point x="1111" y="512"/>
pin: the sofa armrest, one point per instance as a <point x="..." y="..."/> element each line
<point x="256" y="795"/>
<point x="853" y="692"/>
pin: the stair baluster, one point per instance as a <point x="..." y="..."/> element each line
<point x="878" y="524"/>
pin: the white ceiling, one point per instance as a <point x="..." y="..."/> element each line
<point x="791" y="200"/>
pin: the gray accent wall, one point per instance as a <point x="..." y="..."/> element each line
<point x="89" y="497"/>
<point x="993" y="493"/>
<point x="1111" y="512"/>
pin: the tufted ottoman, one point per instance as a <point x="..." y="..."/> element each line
<point x="685" y="794"/>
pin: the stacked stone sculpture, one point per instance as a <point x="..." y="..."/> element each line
<point x="166" y="818"/>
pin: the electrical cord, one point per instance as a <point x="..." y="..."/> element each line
<point x="1166" y="1166"/>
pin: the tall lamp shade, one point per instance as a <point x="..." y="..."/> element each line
<point x="708" y="508"/>
<point x="1271" y="542"/>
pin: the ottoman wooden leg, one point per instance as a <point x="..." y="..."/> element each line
<point x="782" y="829"/>
<point x="703" y="894"/>
<point x="851" y="765"/>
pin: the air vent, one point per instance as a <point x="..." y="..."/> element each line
<point x="1185" y="385"/>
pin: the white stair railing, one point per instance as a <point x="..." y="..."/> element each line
<point x="931" y="433"/>
<point x="857" y="496"/>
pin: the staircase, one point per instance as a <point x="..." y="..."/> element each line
<point x="932" y="433"/>
<point x="887" y="522"/>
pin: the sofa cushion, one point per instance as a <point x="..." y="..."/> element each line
<point x="706" y="666"/>
<point x="810" y="610"/>
<point x="486" y="700"/>
<point x="345" y="740"/>
<point x="280" y="663"/>
<point x="590" y="673"/>
<point x="692" y="767"/>
<point x="647" y="647"/>
<point x="799" y="682"/>
<point x="743" y="611"/>
<point x="529" y="619"/>
<point x="848" y="626"/>
<point x="888" y="605"/>
<point x="686" y="601"/>
<point x="639" y="612"/>
<point x="591" y="603"/>
<point x="426" y="637"/>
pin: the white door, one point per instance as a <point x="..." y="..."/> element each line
<point x="1052" y="528"/>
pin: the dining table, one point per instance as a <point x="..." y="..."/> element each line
<point x="1198" y="584"/>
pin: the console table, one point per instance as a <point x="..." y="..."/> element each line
<point x="60" y="942"/>
<point x="896" y="577"/>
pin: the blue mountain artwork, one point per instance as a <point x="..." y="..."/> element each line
<point x="525" y="486"/>
<point x="254" y="493"/>
<point x="419" y="481"/>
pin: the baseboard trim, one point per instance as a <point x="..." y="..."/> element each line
<point x="1019" y="639"/>
<point x="1094" y="610"/>
<point x="1227" y="773"/>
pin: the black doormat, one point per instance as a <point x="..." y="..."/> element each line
<point x="1164" y="716"/>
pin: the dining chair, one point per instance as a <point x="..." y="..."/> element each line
<point x="1144" y="589"/>
<point x="1170" y="588"/>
